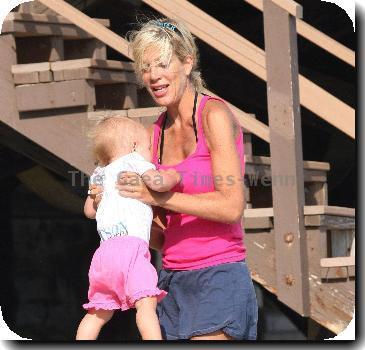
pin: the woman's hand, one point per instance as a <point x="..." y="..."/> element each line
<point x="131" y="185"/>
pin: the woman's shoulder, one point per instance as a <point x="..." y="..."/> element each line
<point x="216" y="113"/>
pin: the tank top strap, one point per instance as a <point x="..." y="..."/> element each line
<point x="156" y="137"/>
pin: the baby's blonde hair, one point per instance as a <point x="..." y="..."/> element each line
<point x="115" y="136"/>
<point x="168" y="36"/>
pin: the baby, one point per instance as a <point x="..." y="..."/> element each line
<point x="121" y="275"/>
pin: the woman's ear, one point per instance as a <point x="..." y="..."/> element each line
<point x="188" y="65"/>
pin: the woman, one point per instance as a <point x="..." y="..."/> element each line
<point x="210" y="292"/>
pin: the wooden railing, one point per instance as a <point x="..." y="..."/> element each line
<point x="121" y="45"/>
<point x="252" y="58"/>
<point x="317" y="37"/>
<point x="229" y="43"/>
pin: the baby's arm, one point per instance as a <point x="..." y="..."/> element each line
<point x="161" y="180"/>
<point x="92" y="201"/>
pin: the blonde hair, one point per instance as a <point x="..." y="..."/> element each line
<point x="169" y="36"/>
<point x="115" y="136"/>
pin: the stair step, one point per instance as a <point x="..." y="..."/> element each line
<point x="330" y="289"/>
<point x="308" y="210"/>
<point x="99" y="71"/>
<point x="149" y="112"/>
<point x="314" y="216"/>
<point x="109" y="84"/>
<point x="30" y="25"/>
<point x="46" y="96"/>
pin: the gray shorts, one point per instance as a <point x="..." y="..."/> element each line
<point x="220" y="297"/>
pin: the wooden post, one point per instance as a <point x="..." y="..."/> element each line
<point x="286" y="157"/>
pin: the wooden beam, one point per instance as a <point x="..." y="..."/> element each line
<point x="57" y="142"/>
<point x="89" y="25"/>
<point x="54" y="95"/>
<point x="286" y="157"/>
<point x="30" y="67"/>
<point x="308" y="210"/>
<point x="33" y="17"/>
<point x="332" y="304"/>
<point x="291" y="7"/>
<point x="30" y="29"/>
<point x="338" y="261"/>
<point x="252" y="58"/>
<point x="307" y="164"/>
<point x="332" y="222"/>
<point x="317" y="37"/>
<point x="92" y="63"/>
<point x="120" y="45"/>
<point x="100" y="76"/>
<point x="148" y="112"/>
<point x="26" y="78"/>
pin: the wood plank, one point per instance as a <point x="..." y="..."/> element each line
<point x="30" y="29"/>
<point x="145" y="112"/>
<point x="130" y="113"/>
<point x="121" y="45"/>
<point x="260" y="223"/>
<point x="41" y="139"/>
<point x="92" y="63"/>
<point x="98" y="75"/>
<point x="26" y="78"/>
<point x="330" y="221"/>
<point x="291" y="7"/>
<point x="308" y="210"/>
<point x="291" y="261"/>
<point x="306" y="164"/>
<point x="259" y="174"/>
<point x="102" y="114"/>
<point x="338" y="261"/>
<point x="54" y="95"/>
<point x="332" y="304"/>
<point x="35" y="17"/>
<point x="108" y="75"/>
<point x="317" y="37"/>
<point x="30" y="67"/>
<point x="34" y="7"/>
<point x="45" y="76"/>
<point x="329" y="210"/>
<point x="89" y="25"/>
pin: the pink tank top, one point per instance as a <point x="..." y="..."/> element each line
<point x="191" y="242"/>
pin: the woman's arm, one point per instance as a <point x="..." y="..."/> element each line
<point x="226" y="203"/>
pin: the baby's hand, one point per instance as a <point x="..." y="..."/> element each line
<point x="95" y="191"/>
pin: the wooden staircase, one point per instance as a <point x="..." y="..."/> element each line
<point x="56" y="81"/>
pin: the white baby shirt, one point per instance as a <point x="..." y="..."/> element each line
<point x="117" y="215"/>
